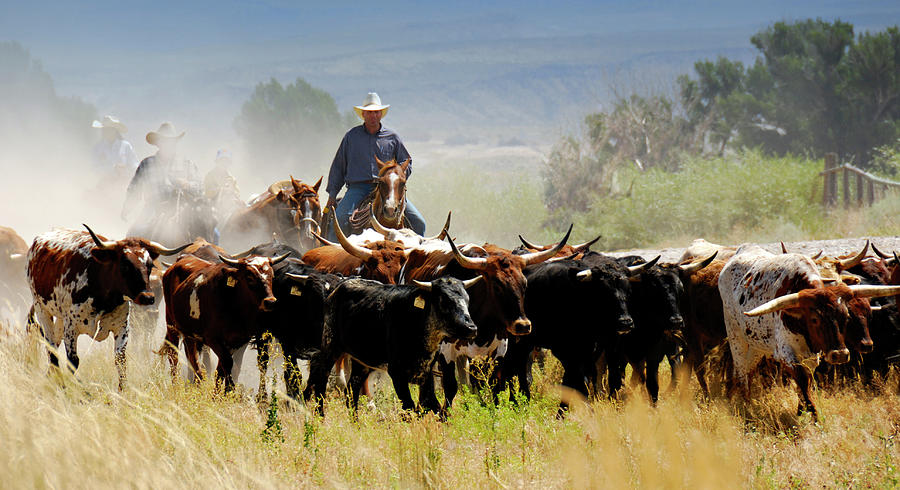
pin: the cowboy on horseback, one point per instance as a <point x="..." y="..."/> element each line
<point x="162" y="185"/>
<point x="359" y="160"/>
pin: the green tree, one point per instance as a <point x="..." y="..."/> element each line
<point x="296" y="125"/>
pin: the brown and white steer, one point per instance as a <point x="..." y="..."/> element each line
<point x="82" y="284"/>
<point x="217" y="304"/>
<point x="778" y="307"/>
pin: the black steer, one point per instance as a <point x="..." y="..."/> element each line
<point x="394" y="327"/>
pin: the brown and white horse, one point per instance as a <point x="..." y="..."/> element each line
<point x="387" y="202"/>
<point x="289" y="210"/>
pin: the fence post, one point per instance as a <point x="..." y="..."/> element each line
<point x="871" y="192"/>
<point x="859" y="190"/>
<point x="830" y="190"/>
<point x="846" y="188"/>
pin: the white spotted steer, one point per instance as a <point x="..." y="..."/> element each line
<point x="778" y="306"/>
<point x="82" y="283"/>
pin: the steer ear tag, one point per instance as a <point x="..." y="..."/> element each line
<point x="295" y="291"/>
<point x="230" y="282"/>
<point x="419" y="303"/>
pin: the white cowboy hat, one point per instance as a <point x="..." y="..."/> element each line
<point x="166" y="130"/>
<point x="372" y="103"/>
<point x="110" y="122"/>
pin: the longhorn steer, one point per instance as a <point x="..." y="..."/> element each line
<point x="217" y="304"/>
<point x="777" y="306"/>
<point x="394" y="327"/>
<point x="82" y="283"/>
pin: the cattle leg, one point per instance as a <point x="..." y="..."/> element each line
<point x="319" y="369"/>
<point x="427" y="397"/>
<point x="169" y="349"/>
<point x="262" y="362"/>
<point x="226" y="363"/>
<point x="121" y="361"/>
<point x="805" y="386"/>
<point x="71" y="339"/>
<point x="293" y="378"/>
<point x="191" y="348"/>
<point x="359" y="375"/>
<point x="448" y="381"/>
<point x="573" y="377"/>
<point x="401" y="387"/>
<point x="652" y="379"/>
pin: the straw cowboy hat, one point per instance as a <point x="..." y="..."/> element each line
<point x="166" y="130"/>
<point x="110" y="122"/>
<point x="372" y="103"/>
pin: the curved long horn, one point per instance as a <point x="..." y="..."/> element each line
<point x="100" y="243"/>
<point x="586" y="246"/>
<point x="893" y="261"/>
<point x="444" y="230"/>
<point x="161" y="250"/>
<point x="783" y="248"/>
<point x="471" y="282"/>
<point x="280" y="258"/>
<point x="301" y="278"/>
<point x="167" y="264"/>
<point x="229" y="261"/>
<point x="354" y="250"/>
<point x="476" y="263"/>
<point x="816" y="256"/>
<point x="867" y="291"/>
<point x="324" y="241"/>
<point x="777" y="304"/>
<point x="538" y="257"/>
<point x="377" y="226"/>
<point x="244" y="254"/>
<point x="529" y="244"/>
<point x="696" y="266"/>
<point x="848" y="263"/>
<point x="634" y="270"/>
<point x="425" y="285"/>
<point x="880" y="253"/>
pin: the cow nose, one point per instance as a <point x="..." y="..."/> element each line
<point x="145" y="298"/>
<point x="626" y="324"/>
<point x="866" y="346"/>
<point x="522" y="326"/>
<point x="838" y="356"/>
<point x="268" y="304"/>
<point x="469" y="331"/>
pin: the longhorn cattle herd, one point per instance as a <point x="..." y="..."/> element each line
<point x="422" y="309"/>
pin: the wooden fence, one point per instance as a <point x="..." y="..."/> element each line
<point x="868" y="186"/>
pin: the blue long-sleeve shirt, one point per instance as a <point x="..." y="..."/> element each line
<point x="355" y="158"/>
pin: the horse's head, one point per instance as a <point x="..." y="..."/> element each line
<point x="390" y="193"/>
<point x="305" y="211"/>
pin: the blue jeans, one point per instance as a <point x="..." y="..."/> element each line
<point x="356" y="193"/>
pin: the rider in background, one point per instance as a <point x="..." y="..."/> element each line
<point x="354" y="164"/>
<point x="113" y="153"/>
<point x="221" y="188"/>
<point x="158" y="180"/>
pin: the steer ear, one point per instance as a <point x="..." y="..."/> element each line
<point x="102" y="255"/>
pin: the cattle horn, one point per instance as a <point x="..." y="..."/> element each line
<point x="868" y="291"/>
<point x="477" y="263"/>
<point x="816" y="256"/>
<point x="529" y="244"/>
<point x="167" y="264"/>
<point x="324" y="241"/>
<point x="354" y="250"/>
<point x="471" y="282"/>
<point x="689" y="269"/>
<point x="301" y="278"/>
<point x="229" y="261"/>
<point x="377" y="226"/>
<point x="783" y="248"/>
<point x="161" y="250"/>
<point x="777" y="304"/>
<point x="538" y="257"/>
<point x="894" y="261"/>
<point x="584" y="275"/>
<point x="634" y="270"/>
<point x="880" y="253"/>
<point x="100" y="243"/>
<point x="280" y="258"/>
<point x="425" y="285"/>
<point x="244" y="254"/>
<point x="444" y="231"/>
<point x="586" y="246"/>
<point x="853" y="261"/>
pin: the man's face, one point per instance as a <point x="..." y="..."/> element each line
<point x="372" y="118"/>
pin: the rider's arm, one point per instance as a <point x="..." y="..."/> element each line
<point x="338" y="171"/>
<point x="402" y="155"/>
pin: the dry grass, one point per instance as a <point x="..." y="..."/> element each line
<point x="63" y="432"/>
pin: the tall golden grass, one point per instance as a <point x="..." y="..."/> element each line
<point x="60" y="431"/>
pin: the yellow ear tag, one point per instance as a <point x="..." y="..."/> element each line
<point x="419" y="303"/>
<point x="230" y="282"/>
<point x="295" y="291"/>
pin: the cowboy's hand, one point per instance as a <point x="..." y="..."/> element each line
<point x="331" y="203"/>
